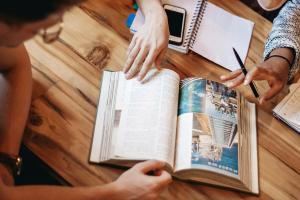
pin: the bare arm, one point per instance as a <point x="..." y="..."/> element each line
<point x="55" y="192"/>
<point x="134" y="184"/>
<point x="286" y="34"/>
<point x="16" y="87"/>
<point x="15" y="96"/>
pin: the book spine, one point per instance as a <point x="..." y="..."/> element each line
<point x="196" y="23"/>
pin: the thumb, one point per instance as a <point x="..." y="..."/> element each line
<point x="271" y="92"/>
<point x="164" y="178"/>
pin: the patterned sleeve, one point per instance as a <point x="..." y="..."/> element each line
<point x="286" y="33"/>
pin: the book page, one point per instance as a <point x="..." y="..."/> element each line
<point x="208" y="117"/>
<point x="147" y="128"/>
<point x="220" y="31"/>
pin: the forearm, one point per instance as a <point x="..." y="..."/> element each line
<point x="150" y="7"/>
<point x="287" y="53"/>
<point x="286" y="33"/>
<point x="15" y="97"/>
<point x="56" y="192"/>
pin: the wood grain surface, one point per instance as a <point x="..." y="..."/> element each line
<point x="67" y="78"/>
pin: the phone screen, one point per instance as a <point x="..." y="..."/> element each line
<point x="175" y="20"/>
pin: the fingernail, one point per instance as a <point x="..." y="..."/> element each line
<point x="222" y="77"/>
<point x="246" y="82"/>
<point x="261" y="101"/>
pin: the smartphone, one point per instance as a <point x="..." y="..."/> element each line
<point x="176" y="19"/>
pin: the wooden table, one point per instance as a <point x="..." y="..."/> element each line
<point x="67" y="78"/>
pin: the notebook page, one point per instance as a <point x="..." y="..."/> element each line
<point x="188" y="5"/>
<point x="220" y="31"/>
<point x="289" y="107"/>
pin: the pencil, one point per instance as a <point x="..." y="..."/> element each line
<point x="244" y="70"/>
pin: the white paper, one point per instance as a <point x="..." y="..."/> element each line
<point x="148" y="122"/>
<point x="219" y="32"/>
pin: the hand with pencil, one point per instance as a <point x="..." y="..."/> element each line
<point x="274" y="69"/>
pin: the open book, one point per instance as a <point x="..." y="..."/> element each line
<point x="288" y="110"/>
<point x="204" y="131"/>
<point x="210" y="31"/>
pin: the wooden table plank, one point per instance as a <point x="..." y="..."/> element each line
<point x="67" y="79"/>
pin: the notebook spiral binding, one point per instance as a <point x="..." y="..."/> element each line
<point x="195" y="24"/>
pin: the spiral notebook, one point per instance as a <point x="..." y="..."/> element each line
<point x="210" y="31"/>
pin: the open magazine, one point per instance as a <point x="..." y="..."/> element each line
<point x="203" y="130"/>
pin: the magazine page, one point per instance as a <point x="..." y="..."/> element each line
<point x="147" y="116"/>
<point x="207" y="136"/>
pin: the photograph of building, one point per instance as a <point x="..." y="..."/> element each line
<point x="215" y="148"/>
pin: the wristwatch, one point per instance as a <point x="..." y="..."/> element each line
<point x="14" y="163"/>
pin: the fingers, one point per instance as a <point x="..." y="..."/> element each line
<point x="150" y="165"/>
<point x="131" y="45"/>
<point x="233" y="79"/>
<point x="231" y="75"/>
<point x="147" y="64"/>
<point x="135" y="67"/>
<point x="164" y="178"/>
<point x="131" y="57"/>
<point x="273" y="91"/>
<point x="236" y="81"/>
<point x="153" y="58"/>
<point x="236" y="78"/>
<point x="257" y="73"/>
<point x="145" y="50"/>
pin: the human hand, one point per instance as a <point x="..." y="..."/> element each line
<point x="274" y="70"/>
<point x="136" y="184"/>
<point x="149" y="44"/>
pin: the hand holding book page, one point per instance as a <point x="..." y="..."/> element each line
<point x="148" y="124"/>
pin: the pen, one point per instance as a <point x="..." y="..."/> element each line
<point x="244" y="70"/>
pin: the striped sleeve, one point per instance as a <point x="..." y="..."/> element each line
<point x="286" y="33"/>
